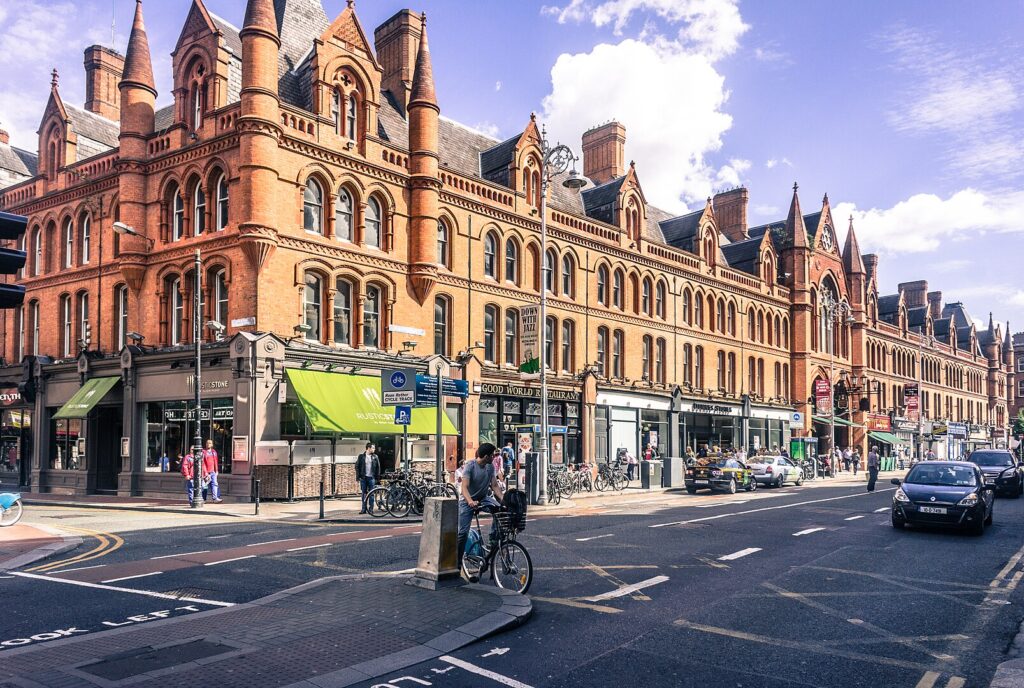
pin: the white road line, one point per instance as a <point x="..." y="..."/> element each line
<point x="764" y="508"/>
<point x="379" y="537"/>
<point x="627" y="589"/>
<point x="147" y="593"/>
<point x="269" y="542"/>
<point x="183" y="554"/>
<point x="928" y="680"/>
<point x="299" y="549"/>
<point x="741" y="553"/>
<point x="884" y="508"/>
<point x="596" y="537"/>
<point x="853" y="518"/>
<point x="225" y="561"/>
<point x="80" y="568"/>
<point x="214" y="537"/>
<point x="807" y="532"/>
<point x="474" y="669"/>
<point x="141" y="575"/>
<point x="723" y="503"/>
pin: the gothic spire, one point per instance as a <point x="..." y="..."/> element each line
<point x="138" y="64"/>
<point x="423" y="76"/>
<point x="852" y="261"/>
<point x="795" y="229"/>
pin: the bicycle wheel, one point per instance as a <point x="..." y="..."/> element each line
<point x="399" y="502"/>
<point x="450" y="491"/>
<point x="472" y="566"/>
<point x="554" y="494"/>
<point x="512" y="568"/>
<point x="621" y="482"/>
<point x="377" y="502"/>
<point x="11" y="515"/>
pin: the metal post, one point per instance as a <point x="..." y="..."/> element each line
<point x="542" y="467"/>
<point x="197" y="330"/>
<point x="439" y="462"/>
<point x="257" y="498"/>
<point x="831" y="393"/>
<point x="321" y="500"/>
<point x="406" y="459"/>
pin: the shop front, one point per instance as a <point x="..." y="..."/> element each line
<point x="628" y="423"/>
<point x="881" y="434"/>
<point x="710" y="426"/>
<point x="505" y="406"/>
<point x="956" y="440"/>
<point x="768" y="429"/>
<point x="15" y="438"/>
<point x="905" y="431"/>
<point x="978" y="437"/>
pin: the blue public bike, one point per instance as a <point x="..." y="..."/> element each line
<point x="10" y="508"/>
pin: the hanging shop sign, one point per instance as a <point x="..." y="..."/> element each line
<point x="529" y="340"/>
<point x="911" y="401"/>
<point x="822" y="396"/>
<point x="904" y="425"/>
<point x="879" y="422"/>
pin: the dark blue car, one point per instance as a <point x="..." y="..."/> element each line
<point x="943" y="493"/>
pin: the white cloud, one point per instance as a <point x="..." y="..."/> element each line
<point x="773" y="162"/>
<point x="488" y="128"/>
<point x="668" y="92"/>
<point x="497" y="85"/>
<point x="951" y="265"/>
<point x="771" y="211"/>
<point x="771" y="53"/>
<point x="922" y="222"/>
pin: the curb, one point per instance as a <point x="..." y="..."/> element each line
<point x="1010" y="674"/>
<point x="69" y="542"/>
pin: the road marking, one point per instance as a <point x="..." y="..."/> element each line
<point x="741" y="553"/>
<point x="474" y="669"/>
<point x="764" y="508"/>
<point x="226" y="561"/>
<point x="299" y="549"/>
<point x="721" y="503"/>
<point x="596" y="537"/>
<point x="147" y="593"/>
<point x="79" y="568"/>
<point x="956" y="682"/>
<point x="379" y="537"/>
<point x="853" y="518"/>
<point x="141" y="575"/>
<point x="626" y="590"/>
<point x="105" y="547"/>
<point x="928" y="680"/>
<point x="215" y="537"/>
<point x="270" y="542"/>
<point x="184" y="554"/>
<point x="807" y="532"/>
<point x="884" y="508"/>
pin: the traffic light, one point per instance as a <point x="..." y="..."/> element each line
<point x="12" y="227"/>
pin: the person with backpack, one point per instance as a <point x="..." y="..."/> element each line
<point x="479" y="488"/>
<point x="508" y="457"/>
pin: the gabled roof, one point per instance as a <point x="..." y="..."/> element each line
<point x="17" y="161"/>
<point x="744" y="255"/>
<point x="600" y="202"/>
<point x="495" y="161"/>
<point x="299" y="23"/>
<point x="681" y="231"/>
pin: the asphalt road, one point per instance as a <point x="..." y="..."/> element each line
<point x="790" y="587"/>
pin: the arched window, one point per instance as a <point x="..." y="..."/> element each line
<point x="22" y="243"/>
<point x="441" y="326"/>
<point x="731" y="319"/>
<point x="538" y="190"/>
<point x="121" y="303"/>
<point x="374" y="217"/>
<point x="760" y="377"/>
<point x="313" y="207"/>
<point x="222" y="202"/>
<point x="602" y="351"/>
<point x="19" y="337"/>
<point x="528" y="186"/>
<point x="568" y="346"/>
<point x="659" y="362"/>
<point x="549" y="270"/>
<point x="568" y="276"/>
<point x="371" y="317"/>
<point x="721" y="371"/>
<point x="313" y="305"/>
<point x="199" y="210"/>
<point x="84" y="335"/>
<point x="177" y="311"/>
<point x="512" y="337"/>
<point x="37" y="252"/>
<point x="343" y="312"/>
<point x="602" y="285"/>
<point x="336" y="110"/>
<point x="442" y="243"/>
<point x="490" y="333"/>
<point x="645" y="297"/>
<point x="784" y="341"/>
<point x="512" y="261"/>
<point x="197" y="106"/>
<point x="778" y="380"/>
<point x="698" y="311"/>
<point x="688" y="364"/>
<point x="490" y="255"/>
<point x="69" y="243"/>
<point x="177" y="213"/>
<point x="220" y="297"/>
<point x="659" y="300"/>
<point x="618" y="346"/>
<point x="351" y="115"/>
<point x="720" y="316"/>
<point x="343" y="215"/>
<point x="760" y="327"/>
<point x="65" y="325"/>
<point x="34" y="313"/>
<point x="698" y="367"/>
<point x="646" y="355"/>
<point x="751" y="375"/>
<point x="730" y="366"/>
<point x="618" y="296"/>
<point x="687" y="307"/>
<point x="550" y="326"/>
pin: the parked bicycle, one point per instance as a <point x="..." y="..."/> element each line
<point x="611" y="475"/>
<point x="809" y="467"/>
<point x="10" y="508"/>
<point x="508" y="561"/>
<point x="401" y="493"/>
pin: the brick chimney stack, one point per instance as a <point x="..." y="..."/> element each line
<point x="604" y="152"/>
<point x="731" y="213"/>
<point x="870" y="263"/>
<point x="914" y="293"/>
<point x="103" y="70"/>
<point x="5" y="138"/>
<point x="397" y="41"/>
<point x="935" y="304"/>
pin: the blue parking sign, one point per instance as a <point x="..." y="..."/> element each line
<point x="403" y="415"/>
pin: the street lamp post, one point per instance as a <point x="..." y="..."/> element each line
<point x="197" y="331"/>
<point x="930" y="341"/>
<point x="833" y="310"/>
<point x="555" y="162"/>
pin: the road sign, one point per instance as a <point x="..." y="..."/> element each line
<point x="426" y="389"/>
<point x="398" y="386"/>
<point x="403" y="415"/>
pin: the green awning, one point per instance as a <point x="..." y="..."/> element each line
<point x="84" y="399"/>
<point x="887" y="437"/>
<point x="838" y="420"/>
<point x="350" y="404"/>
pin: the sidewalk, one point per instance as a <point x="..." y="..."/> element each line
<point x="329" y="633"/>
<point x="21" y="544"/>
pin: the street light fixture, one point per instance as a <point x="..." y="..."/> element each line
<point x="556" y="160"/>
<point x="197" y="335"/>
<point x="127" y="230"/>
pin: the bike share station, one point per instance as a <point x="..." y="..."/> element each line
<point x="527" y="441"/>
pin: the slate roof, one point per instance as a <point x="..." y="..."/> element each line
<point x="916" y="317"/>
<point x="100" y="129"/>
<point x="600" y="202"/>
<point x="163" y="118"/>
<point x="811" y="223"/>
<point x="232" y="41"/>
<point x="888" y="305"/>
<point x="941" y="329"/>
<point x="680" y="231"/>
<point x="18" y="161"/>
<point x="299" y="23"/>
<point x="495" y="161"/>
<point x="777" y="230"/>
<point x="744" y="255"/>
<point x="958" y="313"/>
<point x="963" y="338"/>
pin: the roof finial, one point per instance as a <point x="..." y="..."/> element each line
<point x="533" y="116"/>
<point x="54" y="79"/>
<point x="351" y="4"/>
<point x="824" y="201"/>
<point x="795" y="187"/>
<point x="423" y="17"/>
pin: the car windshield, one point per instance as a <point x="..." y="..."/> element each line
<point x="984" y="458"/>
<point x="953" y="476"/>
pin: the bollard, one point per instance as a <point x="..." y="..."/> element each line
<point x="321" y="500"/>
<point x="291" y="484"/>
<point x="437" y="566"/>
<point x="257" y="498"/>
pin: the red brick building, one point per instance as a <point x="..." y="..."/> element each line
<point x="346" y="227"/>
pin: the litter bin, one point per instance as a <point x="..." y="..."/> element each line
<point x="672" y="471"/>
<point x="650" y="474"/>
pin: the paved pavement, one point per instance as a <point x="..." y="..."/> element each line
<point x="329" y="633"/>
<point x="22" y="544"/>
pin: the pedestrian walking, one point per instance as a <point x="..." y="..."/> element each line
<point x="855" y="461"/>
<point x="508" y="457"/>
<point x="211" y="466"/>
<point x="873" y="463"/>
<point x="368" y="472"/>
<point x="188" y="469"/>
<point x="847" y="459"/>
<point x="479" y="486"/>
<point x="631" y="463"/>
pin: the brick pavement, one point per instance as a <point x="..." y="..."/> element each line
<point x="325" y="634"/>
<point x="22" y="544"/>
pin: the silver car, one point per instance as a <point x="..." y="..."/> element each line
<point x="775" y="471"/>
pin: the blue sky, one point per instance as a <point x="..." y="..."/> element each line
<point x="908" y="114"/>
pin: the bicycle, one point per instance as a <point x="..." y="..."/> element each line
<point x="509" y="563"/>
<point x="10" y="508"/>
<point x="611" y="475"/>
<point x="554" y="492"/>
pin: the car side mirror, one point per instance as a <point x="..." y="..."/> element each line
<point x="896" y="481"/>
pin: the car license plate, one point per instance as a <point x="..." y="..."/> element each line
<point x="990" y="481"/>
<point x="701" y="482"/>
<point x="933" y="510"/>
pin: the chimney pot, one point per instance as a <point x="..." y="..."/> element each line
<point x="604" y="152"/>
<point x="731" y="213"/>
<point x="397" y="41"/>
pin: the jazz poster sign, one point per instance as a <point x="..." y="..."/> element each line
<point x="529" y="341"/>
<point x="823" y="396"/>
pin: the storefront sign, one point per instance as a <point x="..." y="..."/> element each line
<point x="529" y="333"/>
<point x="877" y="421"/>
<point x="911" y="402"/>
<point x="524" y="392"/>
<point x="822" y="395"/>
<point x="957" y="430"/>
<point x="179" y="415"/>
<point x="709" y="408"/>
<point x="904" y="425"/>
<point x="939" y="429"/>
<point x="9" y="396"/>
<point x="190" y="382"/>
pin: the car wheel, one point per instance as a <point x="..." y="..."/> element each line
<point x="691" y="490"/>
<point x="780" y="481"/>
<point x="752" y="485"/>
<point x="800" y="480"/>
<point x="988" y="519"/>
<point x="732" y="486"/>
<point x="898" y="523"/>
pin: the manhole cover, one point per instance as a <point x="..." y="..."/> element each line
<point x="189" y="592"/>
<point x="145" y="659"/>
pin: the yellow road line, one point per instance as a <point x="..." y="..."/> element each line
<point x="577" y="604"/>
<point x="956" y="682"/>
<point x="108" y="542"/>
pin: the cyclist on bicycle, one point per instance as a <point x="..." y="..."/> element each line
<point x="479" y="488"/>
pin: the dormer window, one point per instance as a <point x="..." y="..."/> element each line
<point x="344" y="106"/>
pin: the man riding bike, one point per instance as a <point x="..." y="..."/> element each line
<point x="479" y="488"/>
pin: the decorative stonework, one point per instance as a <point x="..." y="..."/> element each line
<point x="258" y="243"/>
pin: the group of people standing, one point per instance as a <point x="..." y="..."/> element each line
<point x="209" y="469"/>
